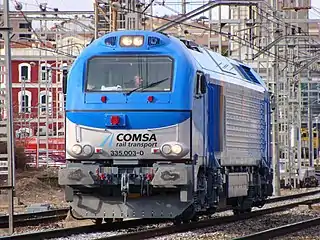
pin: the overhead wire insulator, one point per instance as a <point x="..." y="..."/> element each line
<point x="18" y="6"/>
<point x="43" y="7"/>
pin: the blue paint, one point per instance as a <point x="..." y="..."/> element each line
<point x="77" y="99"/>
<point x="122" y="120"/>
<point x="134" y="120"/>
<point x="87" y="109"/>
<point x="214" y="92"/>
<point x="108" y="139"/>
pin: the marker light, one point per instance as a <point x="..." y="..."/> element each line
<point x="98" y="150"/>
<point x="115" y="120"/>
<point x="177" y="149"/>
<point x="174" y="150"/>
<point x="155" y="150"/>
<point x="137" y="41"/>
<point x="166" y="149"/>
<point x="150" y="99"/>
<point x="104" y="99"/>
<point x="76" y="149"/>
<point x="131" y="41"/>
<point x="87" y="150"/>
<point x="126" y="41"/>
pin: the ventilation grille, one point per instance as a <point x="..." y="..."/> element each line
<point x="246" y="72"/>
<point x="191" y="45"/>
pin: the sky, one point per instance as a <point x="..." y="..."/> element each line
<point x="158" y="10"/>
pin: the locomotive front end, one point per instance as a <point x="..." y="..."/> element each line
<point x="128" y="128"/>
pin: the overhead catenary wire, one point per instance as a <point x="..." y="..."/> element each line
<point x="274" y="19"/>
<point x="228" y="35"/>
<point x="37" y="36"/>
<point x="44" y="49"/>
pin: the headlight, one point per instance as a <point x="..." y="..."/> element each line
<point x="76" y="149"/>
<point x="166" y="149"/>
<point x="174" y="149"/>
<point x="177" y="149"/>
<point x="126" y="41"/>
<point x="138" y="41"/>
<point x="133" y="41"/>
<point x="87" y="150"/>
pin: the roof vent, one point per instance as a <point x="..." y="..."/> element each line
<point x="191" y="45"/>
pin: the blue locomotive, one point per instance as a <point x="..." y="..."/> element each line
<point x="159" y="127"/>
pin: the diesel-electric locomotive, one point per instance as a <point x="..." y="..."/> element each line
<point x="159" y="127"/>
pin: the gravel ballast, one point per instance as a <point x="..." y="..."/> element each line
<point x="220" y="233"/>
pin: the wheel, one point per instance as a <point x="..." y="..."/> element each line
<point x="177" y="221"/>
<point x="98" y="221"/>
<point x="108" y="220"/>
<point x="236" y="212"/>
<point x="248" y="210"/>
<point x="195" y="219"/>
<point x="186" y="221"/>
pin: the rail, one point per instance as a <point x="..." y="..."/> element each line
<point x="282" y="230"/>
<point x="153" y="232"/>
<point x="204" y="224"/>
<point x="31" y="219"/>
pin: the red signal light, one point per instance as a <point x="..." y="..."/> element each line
<point x="150" y="99"/>
<point x="104" y="99"/>
<point x="115" y="120"/>
<point x="149" y="177"/>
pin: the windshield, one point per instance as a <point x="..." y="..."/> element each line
<point x="123" y="74"/>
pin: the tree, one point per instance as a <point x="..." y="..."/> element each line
<point x="20" y="157"/>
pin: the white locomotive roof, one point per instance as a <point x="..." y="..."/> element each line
<point x="225" y="69"/>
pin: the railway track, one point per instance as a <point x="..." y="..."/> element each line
<point x="282" y="230"/>
<point x="159" y="231"/>
<point x="203" y="224"/>
<point x="32" y="219"/>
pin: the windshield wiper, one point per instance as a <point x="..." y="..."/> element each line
<point x="151" y="85"/>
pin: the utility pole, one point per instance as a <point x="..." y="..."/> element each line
<point x="275" y="115"/>
<point x="184" y="7"/>
<point x="275" y="130"/>
<point x="220" y="29"/>
<point x="310" y="124"/>
<point x="8" y="105"/>
<point x="317" y="143"/>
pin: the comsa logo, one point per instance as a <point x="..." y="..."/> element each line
<point x="134" y="140"/>
<point x="136" y="137"/>
<point x="109" y="139"/>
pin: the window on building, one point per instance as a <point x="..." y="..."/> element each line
<point x="43" y="97"/>
<point x="46" y="73"/>
<point x="42" y="131"/>
<point x="23" y="133"/>
<point x="24" y="25"/>
<point x="24" y="103"/>
<point x="2" y="77"/>
<point x="23" y="36"/>
<point x="61" y="102"/>
<point x="24" y="72"/>
<point x="24" y="98"/>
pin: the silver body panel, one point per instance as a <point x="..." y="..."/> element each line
<point x="108" y="140"/>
